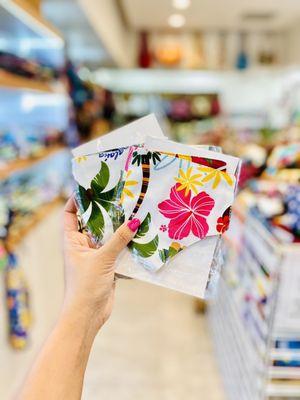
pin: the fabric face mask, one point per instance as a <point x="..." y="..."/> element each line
<point x="179" y="201"/>
<point x="100" y="179"/>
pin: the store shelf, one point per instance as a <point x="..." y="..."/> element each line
<point x="158" y="81"/>
<point x="20" y="19"/>
<point x="256" y="260"/>
<point x="15" y="82"/>
<point x="21" y="164"/>
<point x="284" y="354"/>
<point x="27" y="223"/>
<point x="284" y="390"/>
<point x="284" y="372"/>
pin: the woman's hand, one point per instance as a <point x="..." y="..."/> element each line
<point x="59" y="369"/>
<point x="89" y="271"/>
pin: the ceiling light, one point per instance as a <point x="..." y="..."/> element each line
<point x="181" y="4"/>
<point x="176" y="20"/>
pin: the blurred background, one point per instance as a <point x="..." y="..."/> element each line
<point x="225" y="73"/>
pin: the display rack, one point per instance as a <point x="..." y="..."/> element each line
<point x="11" y="81"/>
<point x="250" y="99"/>
<point x="21" y="164"/>
<point x="255" y="315"/>
<point x="29" y="222"/>
<point x="26" y="33"/>
<point x="20" y="15"/>
<point x="34" y="165"/>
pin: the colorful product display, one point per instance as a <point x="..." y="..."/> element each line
<point x="27" y="68"/>
<point x="22" y="195"/>
<point x="22" y="144"/>
<point x="258" y="291"/>
<point x="34" y="167"/>
<point x="17" y="299"/>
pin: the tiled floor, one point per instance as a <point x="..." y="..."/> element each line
<point x="154" y="347"/>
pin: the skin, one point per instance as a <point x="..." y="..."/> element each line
<point x="58" y="371"/>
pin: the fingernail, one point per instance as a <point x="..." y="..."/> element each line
<point x="134" y="224"/>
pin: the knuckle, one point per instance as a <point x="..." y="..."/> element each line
<point x="123" y="237"/>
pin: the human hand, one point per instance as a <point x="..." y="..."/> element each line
<point x="89" y="271"/>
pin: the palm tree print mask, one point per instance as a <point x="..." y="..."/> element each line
<point x="99" y="200"/>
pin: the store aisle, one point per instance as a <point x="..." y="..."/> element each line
<point x="153" y="347"/>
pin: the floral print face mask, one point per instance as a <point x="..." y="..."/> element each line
<point x="182" y="195"/>
<point x="179" y="199"/>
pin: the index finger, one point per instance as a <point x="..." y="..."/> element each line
<point x="70" y="216"/>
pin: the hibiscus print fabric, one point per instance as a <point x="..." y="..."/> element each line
<point x="187" y="214"/>
<point x="178" y="200"/>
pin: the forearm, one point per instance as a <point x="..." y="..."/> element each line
<point x="59" y="369"/>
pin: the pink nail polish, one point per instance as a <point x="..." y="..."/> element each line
<point x="134" y="224"/>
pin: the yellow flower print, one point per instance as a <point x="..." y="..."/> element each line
<point x="80" y="159"/>
<point x="188" y="181"/>
<point x="216" y="175"/>
<point x="126" y="191"/>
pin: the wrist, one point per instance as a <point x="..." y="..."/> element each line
<point x="80" y="319"/>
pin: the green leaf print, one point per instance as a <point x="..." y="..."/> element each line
<point x="85" y="202"/>
<point x="145" y="158"/>
<point x="165" y="254"/>
<point x="173" y="252"/>
<point x="144" y="227"/>
<point x="96" y="196"/>
<point x="145" y="250"/>
<point x="100" y="181"/>
<point x="96" y="221"/>
<point x="136" y="158"/>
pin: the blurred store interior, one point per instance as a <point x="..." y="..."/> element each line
<point x="224" y="73"/>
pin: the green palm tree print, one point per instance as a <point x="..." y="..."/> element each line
<point x="98" y="199"/>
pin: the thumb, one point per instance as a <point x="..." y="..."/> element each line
<point x="120" y="239"/>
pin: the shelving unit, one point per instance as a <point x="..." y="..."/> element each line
<point x="255" y="316"/>
<point x="19" y="85"/>
<point x="26" y="33"/>
<point x="29" y="222"/>
<point x="15" y="82"/>
<point x="249" y="99"/>
<point x="20" y="16"/>
<point x="34" y="112"/>
<point x="21" y="164"/>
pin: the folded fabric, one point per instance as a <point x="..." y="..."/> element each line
<point x="178" y="201"/>
<point x="181" y="194"/>
<point x="134" y="133"/>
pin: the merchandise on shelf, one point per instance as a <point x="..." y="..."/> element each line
<point x="27" y="68"/>
<point x="25" y="191"/>
<point x="17" y="298"/>
<point x="3" y="255"/>
<point x="256" y="309"/>
<point x="284" y="163"/>
<point x="94" y="106"/>
<point x="27" y="143"/>
<point x="178" y="107"/>
<point x="34" y="168"/>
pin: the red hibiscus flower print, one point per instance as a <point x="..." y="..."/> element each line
<point x="223" y="224"/>
<point x="186" y="213"/>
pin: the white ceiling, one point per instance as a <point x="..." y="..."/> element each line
<point x="83" y="45"/>
<point x="213" y="14"/>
